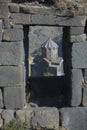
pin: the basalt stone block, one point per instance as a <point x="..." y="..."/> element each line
<point x="79" y="55"/>
<point x="77" y="21"/>
<point x="85" y="96"/>
<point x="1" y="99"/>
<point x="5" y="1"/>
<point x="0" y="35"/>
<point x="13" y="34"/>
<point x="25" y="114"/>
<point x="14" y="97"/>
<point x="78" y="38"/>
<point x="76" y="30"/>
<point x="0" y="30"/>
<point x="11" y="76"/>
<point x="4" y="12"/>
<point x="11" y="53"/>
<point x="1" y="120"/>
<point x="7" y="116"/>
<point x="85" y="75"/>
<point x="35" y="9"/>
<point x="0" y="25"/>
<point x="6" y="23"/>
<point x="14" y="8"/>
<point x="46" y="19"/>
<point x="74" y="118"/>
<point x="45" y="118"/>
<point x="76" y="88"/>
<point x="20" y="18"/>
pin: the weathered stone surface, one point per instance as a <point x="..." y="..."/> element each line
<point x="14" y="97"/>
<point x="20" y="18"/>
<point x="76" y="30"/>
<point x="46" y="19"/>
<point x="7" y="116"/>
<point x="85" y="75"/>
<point x="77" y="21"/>
<point x="76" y="82"/>
<point x="6" y="23"/>
<point x="20" y="114"/>
<point x="78" y="38"/>
<point x="1" y="120"/>
<point x="85" y="96"/>
<point x="11" y="76"/>
<point x="0" y="25"/>
<point x="74" y="118"/>
<point x="25" y="114"/>
<point x="0" y="35"/>
<point x="4" y="10"/>
<point x="45" y="118"/>
<point x="13" y="34"/>
<point x="11" y="53"/>
<point x="5" y="1"/>
<point x="1" y="99"/>
<point x="0" y="30"/>
<point x="35" y="9"/>
<point x="79" y="55"/>
<point x="14" y="8"/>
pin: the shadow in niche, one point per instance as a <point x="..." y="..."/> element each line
<point x="49" y="91"/>
<point x="67" y="51"/>
<point x="26" y="50"/>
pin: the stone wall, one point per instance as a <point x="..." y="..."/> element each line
<point x="14" y="21"/>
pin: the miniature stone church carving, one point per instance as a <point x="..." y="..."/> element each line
<point x="49" y="63"/>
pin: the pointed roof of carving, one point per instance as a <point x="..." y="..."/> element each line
<point x="49" y="44"/>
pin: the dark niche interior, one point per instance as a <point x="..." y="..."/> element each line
<point x="49" y="89"/>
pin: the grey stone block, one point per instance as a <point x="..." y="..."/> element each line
<point x="14" y="97"/>
<point x="77" y="21"/>
<point x="1" y="99"/>
<point x="46" y="19"/>
<point x="85" y="96"/>
<point x="20" y="18"/>
<point x="11" y="53"/>
<point x="45" y="118"/>
<point x="24" y="115"/>
<point x="4" y="12"/>
<point x="85" y="76"/>
<point x="6" y="23"/>
<point x="7" y="116"/>
<point x="13" y="34"/>
<point x="78" y="38"/>
<point x="74" y="118"/>
<point x="0" y="30"/>
<point x="0" y="35"/>
<point x="1" y="120"/>
<point x="79" y="55"/>
<point x="76" y="82"/>
<point x="11" y="76"/>
<point x="14" y="8"/>
<point x="0" y="25"/>
<point x="5" y="1"/>
<point x="35" y="9"/>
<point x="76" y="30"/>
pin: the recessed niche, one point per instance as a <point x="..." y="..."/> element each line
<point x="44" y="65"/>
<point x="45" y="51"/>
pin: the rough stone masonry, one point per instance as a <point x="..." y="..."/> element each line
<point x="13" y="19"/>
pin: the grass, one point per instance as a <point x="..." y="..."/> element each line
<point x="16" y="124"/>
